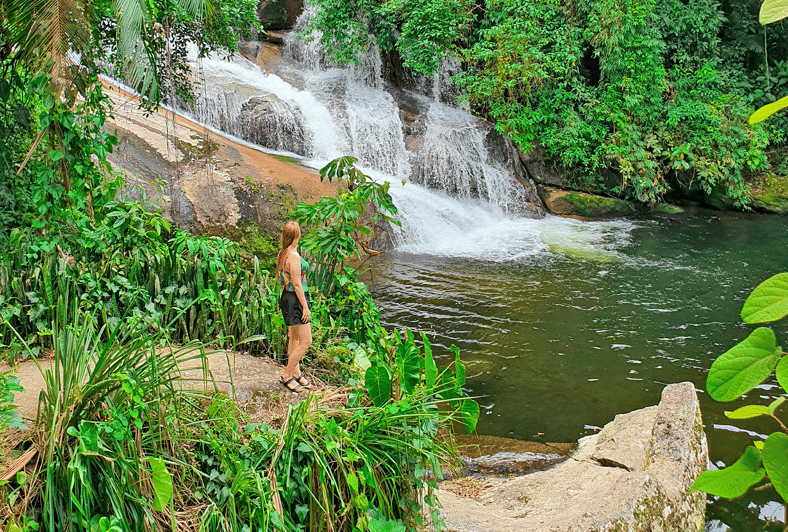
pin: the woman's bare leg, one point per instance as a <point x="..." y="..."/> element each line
<point x="300" y="340"/>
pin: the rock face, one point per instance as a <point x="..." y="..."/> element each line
<point x="573" y="203"/>
<point x="274" y="123"/>
<point x="632" y="476"/>
<point x="279" y="14"/>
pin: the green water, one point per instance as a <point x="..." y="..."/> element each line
<point x="560" y="340"/>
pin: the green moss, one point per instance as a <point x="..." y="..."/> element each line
<point x="666" y="208"/>
<point x="597" y="206"/>
<point x="285" y="159"/>
<point x="770" y="193"/>
<point x="285" y="196"/>
<point x="203" y="149"/>
<point x="254" y="243"/>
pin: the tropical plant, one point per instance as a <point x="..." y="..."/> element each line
<point x="8" y="417"/>
<point x="735" y="373"/>
<point x="337" y="223"/>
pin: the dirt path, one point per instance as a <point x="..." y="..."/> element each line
<point x="255" y="381"/>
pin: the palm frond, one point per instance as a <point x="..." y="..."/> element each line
<point x="45" y="31"/>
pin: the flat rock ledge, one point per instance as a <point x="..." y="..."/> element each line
<point x="632" y="476"/>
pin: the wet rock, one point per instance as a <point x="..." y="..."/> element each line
<point x="275" y="37"/>
<point x="250" y="49"/>
<point x="492" y="455"/>
<point x="633" y="476"/>
<point x="574" y="203"/>
<point x="540" y="170"/>
<point x="275" y="124"/>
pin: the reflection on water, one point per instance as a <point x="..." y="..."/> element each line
<point x="561" y="338"/>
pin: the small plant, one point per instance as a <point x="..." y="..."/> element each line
<point x="735" y="373"/>
<point x="8" y="417"/>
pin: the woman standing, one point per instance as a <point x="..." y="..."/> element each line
<point x="294" y="303"/>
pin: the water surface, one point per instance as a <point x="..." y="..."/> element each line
<point x="564" y="324"/>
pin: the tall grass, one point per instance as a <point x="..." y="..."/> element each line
<point x="107" y="416"/>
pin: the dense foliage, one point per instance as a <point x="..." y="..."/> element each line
<point x="637" y="98"/>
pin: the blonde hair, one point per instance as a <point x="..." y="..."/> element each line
<point x="290" y="233"/>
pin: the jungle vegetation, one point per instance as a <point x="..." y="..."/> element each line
<point x="122" y="302"/>
<point x="643" y="99"/>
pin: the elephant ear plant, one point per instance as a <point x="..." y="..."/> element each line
<point x="735" y="373"/>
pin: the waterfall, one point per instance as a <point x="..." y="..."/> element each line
<point x="320" y="110"/>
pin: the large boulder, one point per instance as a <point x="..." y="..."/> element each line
<point x="633" y="476"/>
<point x="582" y="204"/>
<point x="279" y="14"/>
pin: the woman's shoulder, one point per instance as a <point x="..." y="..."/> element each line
<point x="293" y="257"/>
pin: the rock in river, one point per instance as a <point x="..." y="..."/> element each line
<point x="632" y="476"/>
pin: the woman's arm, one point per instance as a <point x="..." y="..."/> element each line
<point x="294" y="268"/>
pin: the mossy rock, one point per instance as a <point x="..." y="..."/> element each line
<point x="769" y="193"/>
<point x="573" y="203"/>
<point x="667" y="208"/>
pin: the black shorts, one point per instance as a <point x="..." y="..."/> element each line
<point x="291" y="307"/>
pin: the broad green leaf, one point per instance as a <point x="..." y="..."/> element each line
<point x="470" y="414"/>
<point x="352" y="482"/>
<point x="56" y="155"/>
<point x="772" y="11"/>
<point x="162" y="484"/>
<point x="782" y="374"/>
<point x="733" y="481"/>
<point x="361" y="358"/>
<point x="459" y="367"/>
<point x="430" y="368"/>
<point x="769" y="300"/>
<point x="378" y="384"/>
<point x="749" y="411"/>
<point x="88" y="438"/>
<point x="744" y="366"/>
<point x="408" y="362"/>
<point x="775" y="460"/>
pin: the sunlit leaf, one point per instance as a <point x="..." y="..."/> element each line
<point x="733" y="481"/>
<point x="762" y="113"/>
<point x="772" y="11"/>
<point x="769" y="300"/>
<point x="744" y="366"/>
<point x="470" y="414"/>
<point x="775" y="460"/>
<point x="162" y="484"/>
<point x="749" y="411"/>
<point x="782" y="374"/>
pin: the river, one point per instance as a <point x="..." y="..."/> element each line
<point x="564" y="324"/>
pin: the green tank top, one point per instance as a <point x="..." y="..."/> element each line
<point x="304" y="270"/>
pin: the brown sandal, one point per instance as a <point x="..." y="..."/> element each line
<point x="303" y="382"/>
<point x="286" y="384"/>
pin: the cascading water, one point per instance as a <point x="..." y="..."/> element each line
<point x="327" y="110"/>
